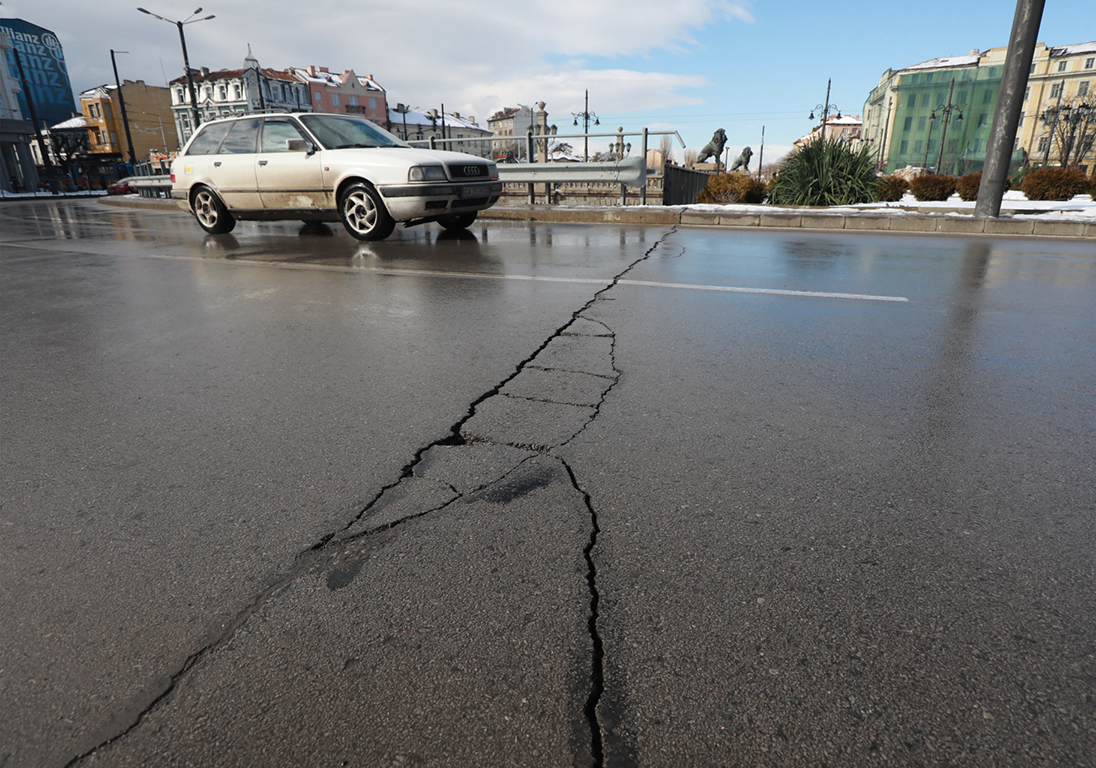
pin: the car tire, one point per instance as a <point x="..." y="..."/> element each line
<point x="363" y="213"/>
<point x="211" y="213"/>
<point x="458" y="221"/>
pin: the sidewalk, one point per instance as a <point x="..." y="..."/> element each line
<point x="1076" y="218"/>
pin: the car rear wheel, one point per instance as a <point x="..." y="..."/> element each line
<point x="211" y="213"/>
<point x="458" y="220"/>
<point x="363" y="213"/>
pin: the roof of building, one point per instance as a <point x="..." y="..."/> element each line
<point x="1073" y="50"/>
<point x="72" y="123"/>
<point x="422" y="118"/>
<point x="322" y="76"/>
<point x="503" y="114"/>
<point x="944" y="62"/>
<point x="205" y="76"/>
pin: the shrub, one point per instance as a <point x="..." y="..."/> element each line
<point x="968" y="186"/>
<point x="727" y="188"/>
<point x="1054" y="184"/>
<point x="825" y="172"/>
<point x="933" y="186"/>
<point x="889" y="189"/>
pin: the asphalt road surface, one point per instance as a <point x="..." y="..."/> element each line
<point x="543" y="495"/>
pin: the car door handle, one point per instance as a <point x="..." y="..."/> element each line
<point x="263" y="162"/>
<point x="217" y="164"/>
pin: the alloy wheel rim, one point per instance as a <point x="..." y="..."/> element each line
<point x="361" y="212"/>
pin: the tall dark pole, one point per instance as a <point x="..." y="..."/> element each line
<point x="122" y="104"/>
<point x="1010" y="102"/>
<point x="883" y="144"/>
<point x="760" y="152"/>
<point x="826" y="110"/>
<point x="186" y="59"/>
<point x="932" y="121"/>
<point x="189" y="79"/>
<point x="46" y="161"/>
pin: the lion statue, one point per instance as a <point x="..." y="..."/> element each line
<point x="713" y="148"/>
<point x="743" y="160"/>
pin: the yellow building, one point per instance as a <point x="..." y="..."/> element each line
<point x="938" y="113"/>
<point x="151" y="124"/>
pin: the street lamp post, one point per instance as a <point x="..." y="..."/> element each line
<point x="946" y="111"/>
<point x="403" y="109"/>
<point x="186" y="60"/>
<point x="586" y="115"/>
<point x="825" y="110"/>
<point x="122" y="104"/>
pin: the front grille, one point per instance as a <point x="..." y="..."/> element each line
<point x="469" y="171"/>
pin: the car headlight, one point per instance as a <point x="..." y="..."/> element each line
<point x="427" y="173"/>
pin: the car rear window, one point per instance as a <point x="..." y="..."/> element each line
<point x="208" y="139"/>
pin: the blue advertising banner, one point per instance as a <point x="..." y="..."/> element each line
<point x="45" y="71"/>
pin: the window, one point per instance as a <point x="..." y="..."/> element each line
<point x="317" y="97"/>
<point x="917" y="146"/>
<point x="277" y="132"/>
<point x="242" y="137"/>
<point x="904" y="147"/>
<point x="372" y="102"/>
<point x="983" y="119"/>
<point x="1062" y="66"/>
<point x="987" y="96"/>
<point x="961" y="97"/>
<point x="1027" y="93"/>
<point x="179" y="96"/>
<point x="907" y="124"/>
<point x="1032" y="70"/>
<point x="911" y="100"/>
<point x="1019" y="124"/>
<point x="1055" y="90"/>
<point x="1082" y="88"/>
<point x="334" y="99"/>
<point x="208" y="139"/>
<point x="924" y="100"/>
<point x="236" y="92"/>
<point x="114" y="137"/>
<point x="1090" y="63"/>
<point x="107" y="113"/>
<point x="354" y="100"/>
<point x="921" y="123"/>
<point x="222" y="93"/>
<point x="1044" y="142"/>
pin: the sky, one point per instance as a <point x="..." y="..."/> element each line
<point x="687" y="65"/>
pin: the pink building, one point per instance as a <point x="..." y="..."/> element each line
<point x="345" y="92"/>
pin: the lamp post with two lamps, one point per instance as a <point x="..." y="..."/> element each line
<point x="825" y="107"/>
<point x="586" y="116"/>
<point x="946" y="112"/>
<point x="186" y="60"/>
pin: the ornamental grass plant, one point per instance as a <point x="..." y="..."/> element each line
<point x="825" y="172"/>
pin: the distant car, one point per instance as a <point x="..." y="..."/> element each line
<point x="326" y="167"/>
<point x="122" y="187"/>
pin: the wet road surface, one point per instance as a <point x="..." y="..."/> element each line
<point x="543" y="495"/>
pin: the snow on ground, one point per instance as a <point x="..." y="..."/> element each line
<point x="1014" y="205"/>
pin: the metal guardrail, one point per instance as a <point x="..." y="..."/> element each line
<point x="153" y="186"/>
<point x="631" y="172"/>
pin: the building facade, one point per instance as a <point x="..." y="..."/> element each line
<point x="346" y="92"/>
<point x="43" y="64"/>
<point x="235" y="91"/>
<point x="17" y="171"/>
<point x="464" y="134"/>
<point x="148" y="110"/>
<point x="938" y="114"/>
<point x="512" y="121"/>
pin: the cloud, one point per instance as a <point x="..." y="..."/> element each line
<point x="481" y="55"/>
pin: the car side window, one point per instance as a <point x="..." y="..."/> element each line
<point x="242" y="139"/>
<point x="277" y="132"/>
<point x="208" y="139"/>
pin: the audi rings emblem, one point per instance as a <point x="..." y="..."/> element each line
<point x="471" y="170"/>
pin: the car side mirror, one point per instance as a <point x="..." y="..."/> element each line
<point x="299" y="145"/>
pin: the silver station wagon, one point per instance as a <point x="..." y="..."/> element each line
<point x="326" y="167"/>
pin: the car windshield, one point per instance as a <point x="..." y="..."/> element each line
<point x="339" y="132"/>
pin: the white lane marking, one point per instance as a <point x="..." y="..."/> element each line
<point x="771" y="291"/>
<point x="536" y="278"/>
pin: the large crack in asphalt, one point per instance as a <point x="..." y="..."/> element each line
<point x="589" y="372"/>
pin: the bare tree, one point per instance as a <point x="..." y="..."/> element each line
<point x="666" y="147"/>
<point x="1075" y="130"/>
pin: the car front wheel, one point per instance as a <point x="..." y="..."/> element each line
<point x="458" y="221"/>
<point x="211" y="213"/>
<point x="363" y="213"/>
